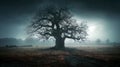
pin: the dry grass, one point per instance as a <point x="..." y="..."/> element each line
<point x="36" y="57"/>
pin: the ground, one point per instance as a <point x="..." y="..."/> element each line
<point x="82" y="56"/>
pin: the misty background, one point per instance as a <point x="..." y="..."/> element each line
<point x="102" y="17"/>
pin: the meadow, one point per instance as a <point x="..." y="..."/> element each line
<point x="78" y="56"/>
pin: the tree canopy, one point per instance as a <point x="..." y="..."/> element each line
<point x="58" y="23"/>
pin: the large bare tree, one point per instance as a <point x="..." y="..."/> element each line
<point x="58" y="23"/>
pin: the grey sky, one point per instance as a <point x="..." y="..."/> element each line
<point x="104" y="15"/>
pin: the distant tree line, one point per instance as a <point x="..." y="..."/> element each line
<point x="106" y="42"/>
<point x="13" y="42"/>
<point x="10" y="41"/>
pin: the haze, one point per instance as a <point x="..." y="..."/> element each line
<point x="102" y="17"/>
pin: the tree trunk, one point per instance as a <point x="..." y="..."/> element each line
<point x="59" y="44"/>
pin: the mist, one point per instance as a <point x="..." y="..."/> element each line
<point x="102" y="17"/>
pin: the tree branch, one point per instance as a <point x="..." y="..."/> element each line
<point x="72" y="37"/>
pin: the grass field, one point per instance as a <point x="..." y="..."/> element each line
<point x="80" y="56"/>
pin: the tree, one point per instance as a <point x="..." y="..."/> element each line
<point x="98" y="41"/>
<point x="57" y="23"/>
<point x="107" y="41"/>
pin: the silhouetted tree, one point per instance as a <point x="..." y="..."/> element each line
<point x="98" y="41"/>
<point x="58" y="23"/>
<point x="107" y="41"/>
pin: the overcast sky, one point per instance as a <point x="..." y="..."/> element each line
<point x="103" y="16"/>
